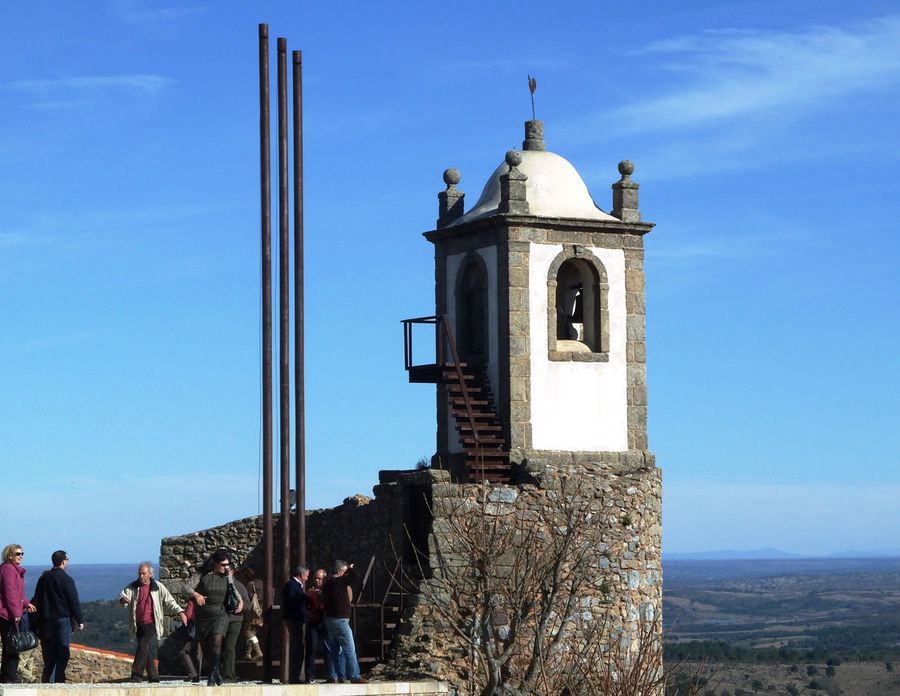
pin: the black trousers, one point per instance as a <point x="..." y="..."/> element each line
<point x="145" y="655"/>
<point x="296" y="630"/>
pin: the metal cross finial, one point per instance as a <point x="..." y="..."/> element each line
<point x="532" y="85"/>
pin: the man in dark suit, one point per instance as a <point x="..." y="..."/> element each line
<point x="293" y="611"/>
<point x="60" y="611"/>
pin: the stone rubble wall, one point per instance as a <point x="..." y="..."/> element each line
<point x="623" y="491"/>
<point x="626" y="502"/>
<point x="354" y="531"/>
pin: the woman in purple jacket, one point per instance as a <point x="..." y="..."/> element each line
<point x="12" y="605"/>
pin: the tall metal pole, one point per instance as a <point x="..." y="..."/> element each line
<point x="266" y="258"/>
<point x="283" y="335"/>
<point x="284" y="300"/>
<point x="299" y="386"/>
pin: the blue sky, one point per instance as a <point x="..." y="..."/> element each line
<point x="765" y="137"/>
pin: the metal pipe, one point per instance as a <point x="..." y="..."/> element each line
<point x="266" y="261"/>
<point x="284" y="402"/>
<point x="299" y="357"/>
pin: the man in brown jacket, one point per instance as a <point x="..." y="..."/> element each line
<point x="337" y="594"/>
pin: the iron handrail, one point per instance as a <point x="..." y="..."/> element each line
<point x="443" y="333"/>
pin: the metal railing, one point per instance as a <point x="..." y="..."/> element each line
<point x="444" y="339"/>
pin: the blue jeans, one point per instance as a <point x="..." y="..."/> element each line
<point x="317" y="638"/>
<point x="55" y="638"/>
<point x="342" y="638"/>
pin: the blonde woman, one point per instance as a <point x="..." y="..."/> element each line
<point x="12" y="605"/>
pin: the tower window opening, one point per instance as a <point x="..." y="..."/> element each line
<point x="577" y="299"/>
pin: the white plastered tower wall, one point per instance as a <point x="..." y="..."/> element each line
<point x="577" y="406"/>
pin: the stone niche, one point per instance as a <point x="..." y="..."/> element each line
<point x="405" y="527"/>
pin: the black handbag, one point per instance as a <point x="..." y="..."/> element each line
<point x="21" y="638"/>
<point x="231" y="599"/>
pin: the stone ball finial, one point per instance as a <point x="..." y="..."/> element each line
<point x="452" y="177"/>
<point x="626" y="168"/>
<point x="513" y="158"/>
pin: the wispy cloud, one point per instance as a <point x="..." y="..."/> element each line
<point x="738" y="99"/>
<point x="729" y="74"/>
<point x="46" y="343"/>
<point x="160" y="14"/>
<point x="138" y="84"/>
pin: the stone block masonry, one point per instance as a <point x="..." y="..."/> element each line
<point x="410" y="519"/>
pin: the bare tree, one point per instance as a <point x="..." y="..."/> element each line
<point x="520" y="582"/>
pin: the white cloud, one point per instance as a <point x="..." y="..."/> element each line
<point x="150" y="85"/>
<point x="726" y="75"/>
<point x="724" y="101"/>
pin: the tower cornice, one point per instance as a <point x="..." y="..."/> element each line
<point x="538" y="222"/>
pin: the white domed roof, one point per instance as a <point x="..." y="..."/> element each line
<point x="553" y="189"/>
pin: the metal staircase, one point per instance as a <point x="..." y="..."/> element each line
<point x="470" y="400"/>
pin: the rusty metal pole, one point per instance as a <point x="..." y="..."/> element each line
<point x="266" y="258"/>
<point x="299" y="385"/>
<point x="284" y="337"/>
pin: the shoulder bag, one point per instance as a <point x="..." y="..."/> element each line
<point x="231" y="598"/>
<point x="21" y="638"/>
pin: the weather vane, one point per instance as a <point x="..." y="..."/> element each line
<point x="532" y="85"/>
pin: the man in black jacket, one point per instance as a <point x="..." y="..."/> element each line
<point x="293" y="611"/>
<point x="59" y="610"/>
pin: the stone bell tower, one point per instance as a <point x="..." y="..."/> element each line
<point x="541" y="393"/>
<point x="544" y="294"/>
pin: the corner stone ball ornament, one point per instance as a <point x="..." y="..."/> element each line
<point x="514" y="158"/>
<point x="626" y="168"/>
<point x="452" y="177"/>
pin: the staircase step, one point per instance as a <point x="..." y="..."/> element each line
<point x="488" y="440"/>
<point x="480" y="427"/>
<point x="476" y="413"/>
<point x="451" y="375"/>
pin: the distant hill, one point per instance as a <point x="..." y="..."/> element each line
<point x="730" y="555"/>
<point x="773" y="555"/>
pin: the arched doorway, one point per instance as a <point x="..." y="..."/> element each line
<point x="471" y="310"/>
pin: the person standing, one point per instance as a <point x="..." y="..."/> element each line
<point x="12" y="605"/>
<point x="316" y="635"/>
<point x="253" y="614"/>
<point x="235" y="625"/>
<point x="293" y="611"/>
<point x="56" y="599"/>
<point x="212" y="619"/>
<point x="337" y="593"/>
<point x="149" y="601"/>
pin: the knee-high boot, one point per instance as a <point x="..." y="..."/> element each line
<point x="215" y="676"/>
